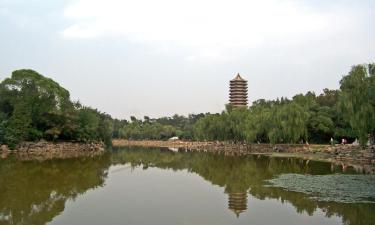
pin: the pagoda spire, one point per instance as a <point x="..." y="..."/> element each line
<point x="238" y="77"/>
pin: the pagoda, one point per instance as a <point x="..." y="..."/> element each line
<point x="238" y="92"/>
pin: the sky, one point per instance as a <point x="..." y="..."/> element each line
<point x="163" y="57"/>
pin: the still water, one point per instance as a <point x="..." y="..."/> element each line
<point x="156" y="186"/>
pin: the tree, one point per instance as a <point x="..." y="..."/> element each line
<point x="105" y="130"/>
<point x="28" y="99"/>
<point x="320" y="125"/>
<point x="18" y="126"/>
<point x="288" y="123"/>
<point x="88" y="121"/>
<point x="3" y="125"/>
<point x="261" y="118"/>
<point x="33" y="107"/>
<point x="357" y="100"/>
<point x="328" y="98"/>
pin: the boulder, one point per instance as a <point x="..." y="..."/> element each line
<point x="4" y="148"/>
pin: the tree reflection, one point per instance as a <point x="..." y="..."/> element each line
<point x="247" y="174"/>
<point x="33" y="192"/>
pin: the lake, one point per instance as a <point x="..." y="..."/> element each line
<point x="161" y="187"/>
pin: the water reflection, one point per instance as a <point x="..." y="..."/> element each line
<point x="242" y="175"/>
<point x="237" y="202"/>
<point x="33" y="192"/>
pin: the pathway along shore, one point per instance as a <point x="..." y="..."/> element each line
<point x="346" y="155"/>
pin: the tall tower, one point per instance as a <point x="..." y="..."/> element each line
<point x="238" y="91"/>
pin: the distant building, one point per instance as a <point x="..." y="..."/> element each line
<point x="238" y="92"/>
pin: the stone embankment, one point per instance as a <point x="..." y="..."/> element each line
<point x="47" y="150"/>
<point x="345" y="155"/>
<point x="229" y="148"/>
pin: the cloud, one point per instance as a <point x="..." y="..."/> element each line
<point x="184" y="52"/>
<point x="236" y="23"/>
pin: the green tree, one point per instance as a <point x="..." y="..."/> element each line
<point x="18" y="126"/>
<point x="33" y="107"/>
<point x="320" y="125"/>
<point x="3" y="125"/>
<point x="28" y="99"/>
<point x="289" y="123"/>
<point x="261" y="119"/>
<point x="357" y="100"/>
<point x="88" y="121"/>
<point x="105" y="130"/>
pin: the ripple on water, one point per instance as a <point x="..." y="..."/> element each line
<point x="335" y="187"/>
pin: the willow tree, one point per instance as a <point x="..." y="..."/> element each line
<point x="289" y="123"/>
<point x="261" y="114"/>
<point x="237" y="121"/>
<point x="211" y="127"/>
<point x="357" y="100"/>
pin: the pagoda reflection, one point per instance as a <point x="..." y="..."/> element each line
<point x="237" y="202"/>
<point x="244" y="176"/>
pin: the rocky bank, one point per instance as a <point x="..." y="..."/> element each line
<point x="46" y="150"/>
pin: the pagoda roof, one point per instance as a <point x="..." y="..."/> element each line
<point x="238" y="78"/>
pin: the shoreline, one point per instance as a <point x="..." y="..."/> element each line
<point x="343" y="155"/>
<point x="43" y="150"/>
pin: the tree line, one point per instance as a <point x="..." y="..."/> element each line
<point x="348" y="113"/>
<point x="33" y="107"/>
<point x="157" y="128"/>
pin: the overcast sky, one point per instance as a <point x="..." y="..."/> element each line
<point x="161" y="57"/>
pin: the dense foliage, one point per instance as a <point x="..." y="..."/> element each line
<point x="156" y="129"/>
<point x="358" y="100"/>
<point x="33" y="107"/>
<point x="346" y="113"/>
